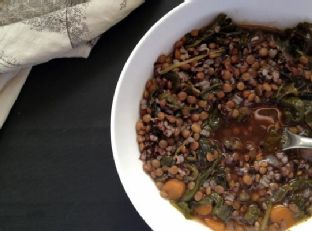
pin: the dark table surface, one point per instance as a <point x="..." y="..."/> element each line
<point x="56" y="167"/>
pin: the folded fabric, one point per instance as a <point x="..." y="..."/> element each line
<point x="36" y="31"/>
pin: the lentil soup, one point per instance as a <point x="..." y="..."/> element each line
<point x="211" y="122"/>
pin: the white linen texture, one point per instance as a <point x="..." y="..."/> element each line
<point x="36" y="31"/>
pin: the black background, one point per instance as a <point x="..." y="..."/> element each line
<point x="56" y="166"/>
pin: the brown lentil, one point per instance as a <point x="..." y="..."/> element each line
<point x="191" y="99"/>
<point x="227" y="87"/>
<point x="194" y="146"/>
<point x="186" y="133"/>
<point x="266" y="87"/>
<point x="173" y="170"/>
<point x="202" y="103"/>
<point x="159" y="172"/>
<point x="162" y="59"/>
<point x="171" y="119"/>
<point x="203" y="115"/>
<point x="247" y="179"/>
<point x="263" y="52"/>
<point x="196" y="128"/>
<point x="240" y="86"/>
<point x="236" y="205"/>
<point x="200" y="75"/>
<point x="186" y="67"/>
<point x="195" y="33"/>
<point x="208" y="191"/>
<point x="255" y="196"/>
<point x="161" y="115"/>
<point x="220" y="94"/>
<point x="303" y="60"/>
<point x="163" y="144"/>
<point x="210" y="156"/>
<point x="251" y="97"/>
<point x="230" y="104"/>
<point x="139" y="126"/>
<point x="195" y="117"/>
<point x="182" y="96"/>
<point x="219" y="189"/>
<point x="263" y="170"/>
<point x="227" y="75"/>
<point x="246" y="76"/>
<point x="212" y="46"/>
<point x="198" y="196"/>
<point x="196" y="136"/>
<point x="191" y="185"/>
<point x="250" y="59"/>
<point x="147" y="118"/>
<point x="235" y="113"/>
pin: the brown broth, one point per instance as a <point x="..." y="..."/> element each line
<point x="252" y="129"/>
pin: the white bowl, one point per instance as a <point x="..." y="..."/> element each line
<point x="156" y="211"/>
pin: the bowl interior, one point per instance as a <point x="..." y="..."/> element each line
<point x="157" y="212"/>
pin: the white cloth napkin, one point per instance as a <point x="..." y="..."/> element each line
<point x="36" y="31"/>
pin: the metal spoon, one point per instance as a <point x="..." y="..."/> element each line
<point x="293" y="141"/>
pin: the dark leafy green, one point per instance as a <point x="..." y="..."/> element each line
<point x="174" y="78"/>
<point x="184" y="208"/>
<point x="216" y="199"/>
<point x="213" y="122"/>
<point x="244" y="113"/>
<point x="215" y="87"/>
<point x="220" y="178"/>
<point x="294" y="192"/>
<point x="279" y="195"/>
<point x="220" y="209"/>
<point x="212" y="29"/>
<point x="213" y="199"/>
<point x="299" y="184"/>
<point x="299" y="39"/>
<point x="151" y="102"/>
<point x="223" y="212"/>
<point x="292" y="186"/>
<point x="309" y="210"/>
<point x="308" y="112"/>
<point x="286" y="90"/>
<point x="293" y="109"/>
<point x="232" y="143"/>
<point x="205" y="146"/>
<point x="305" y="92"/>
<point x="252" y="214"/>
<point x="202" y="177"/>
<point x="298" y="200"/>
<point x="194" y="171"/>
<point x="167" y="161"/>
<point x="272" y="140"/>
<point x="191" y="89"/>
<point x="172" y="100"/>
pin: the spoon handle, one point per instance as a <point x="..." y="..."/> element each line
<point x="304" y="142"/>
<point x="294" y="141"/>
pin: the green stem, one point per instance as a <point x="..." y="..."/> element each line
<point x="179" y="148"/>
<point x="212" y="55"/>
<point x="179" y="64"/>
<point x="265" y="221"/>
